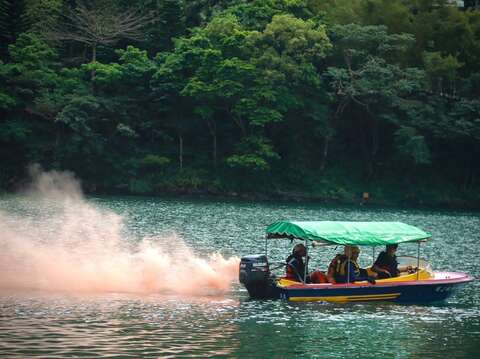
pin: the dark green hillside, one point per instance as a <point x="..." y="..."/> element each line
<point x="318" y="99"/>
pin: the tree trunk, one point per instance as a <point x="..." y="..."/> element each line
<point x="323" y="160"/>
<point x="238" y="121"/>
<point x="212" y="127"/>
<point x="215" y="151"/>
<point x="56" y="147"/>
<point x="363" y="136"/>
<point x="468" y="177"/>
<point x="375" y="141"/>
<point x="180" y="150"/>
<point x="371" y="123"/>
<point x="84" y="53"/>
<point x="94" y="59"/>
<point x="241" y="125"/>
<point x="367" y="153"/>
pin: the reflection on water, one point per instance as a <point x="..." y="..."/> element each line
<point x="59" y="324"/>
<point x="357" y="330"/>
<point x="66" y="325"/>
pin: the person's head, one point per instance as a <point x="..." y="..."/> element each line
<point x="392" y="249"/>
<point x="300" y="250"/>
<point x="352" y="251"/>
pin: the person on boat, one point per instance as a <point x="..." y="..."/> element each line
<point x="295" y="268"/>
<point x="332" y="267"/>
<point x="347" y="268"/>
<point x="386" y="264"/>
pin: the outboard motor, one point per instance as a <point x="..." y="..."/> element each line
<point x="255" y="275"/>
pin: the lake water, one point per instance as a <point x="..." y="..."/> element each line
<point x="57" y="321"/>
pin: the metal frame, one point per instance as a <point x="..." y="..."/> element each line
<point x="306" y="263"/>
<point x="317" y="243"/>
<point x="348" y="268"/>
<point x="418" y="260"/>
<point x="266" y="245"/>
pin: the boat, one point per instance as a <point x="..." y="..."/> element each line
<point x="422" y="285"/>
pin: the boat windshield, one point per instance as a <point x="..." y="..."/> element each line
<point x="412" y="261"/>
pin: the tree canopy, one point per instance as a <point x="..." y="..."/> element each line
<point x="271" y="98"/>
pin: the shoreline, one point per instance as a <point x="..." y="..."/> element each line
<point x="285" y="197"/>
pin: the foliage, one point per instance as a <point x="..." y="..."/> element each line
<point x="253" y="153"/>
<point x="154" y="162"/>
<point x="323" y="99"/>
<point x="442" y="71"/>
<point x="12" y="23"/>
<point x="411" y="144"/>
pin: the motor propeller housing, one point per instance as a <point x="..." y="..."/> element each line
<point x="255" y="275"/>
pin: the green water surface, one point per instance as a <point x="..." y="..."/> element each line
<point x="56" y="324"/>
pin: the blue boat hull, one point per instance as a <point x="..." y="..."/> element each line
<point x="422" y="291"/>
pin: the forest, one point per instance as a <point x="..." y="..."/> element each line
<point x="321" y="100"/>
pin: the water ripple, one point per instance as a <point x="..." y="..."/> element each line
<point x="58" y="325"/>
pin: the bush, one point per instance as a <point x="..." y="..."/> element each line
<point x="154" y="162"/>
<point x="140" y="186"/>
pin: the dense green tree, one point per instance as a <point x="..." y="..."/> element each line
<point x="442" y="72"/>
<point x="24" y="128"/>
<point x="43" y="15"/>
<point x="369" y="85"/>
<point x="323" y="98"/>
<point x="12" y="23"/>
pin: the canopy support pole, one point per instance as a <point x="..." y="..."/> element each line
<point x="348" y="268"/>
<point x="418" y="259"/>
<point x="306" y="264"/>
<point x="373" y="255"/>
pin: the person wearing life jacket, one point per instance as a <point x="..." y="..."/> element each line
<point x="386" y="264"/>
<point x="295" y="268"/>
<point x="332" y="267"/>
<point x="347" y="268"/>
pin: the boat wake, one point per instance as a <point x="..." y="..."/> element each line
<point x="62" y="242"/>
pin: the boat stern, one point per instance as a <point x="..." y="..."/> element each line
<point x="254" y="274"/>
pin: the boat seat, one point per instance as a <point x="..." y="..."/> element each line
<point x="422" y="275"/>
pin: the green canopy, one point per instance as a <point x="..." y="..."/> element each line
<point x="348" y="233"/>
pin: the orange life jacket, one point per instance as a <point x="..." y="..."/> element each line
<point x="291" y="271"/>
<point x="332" y="268"/>
<point x="318" y="277"/>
